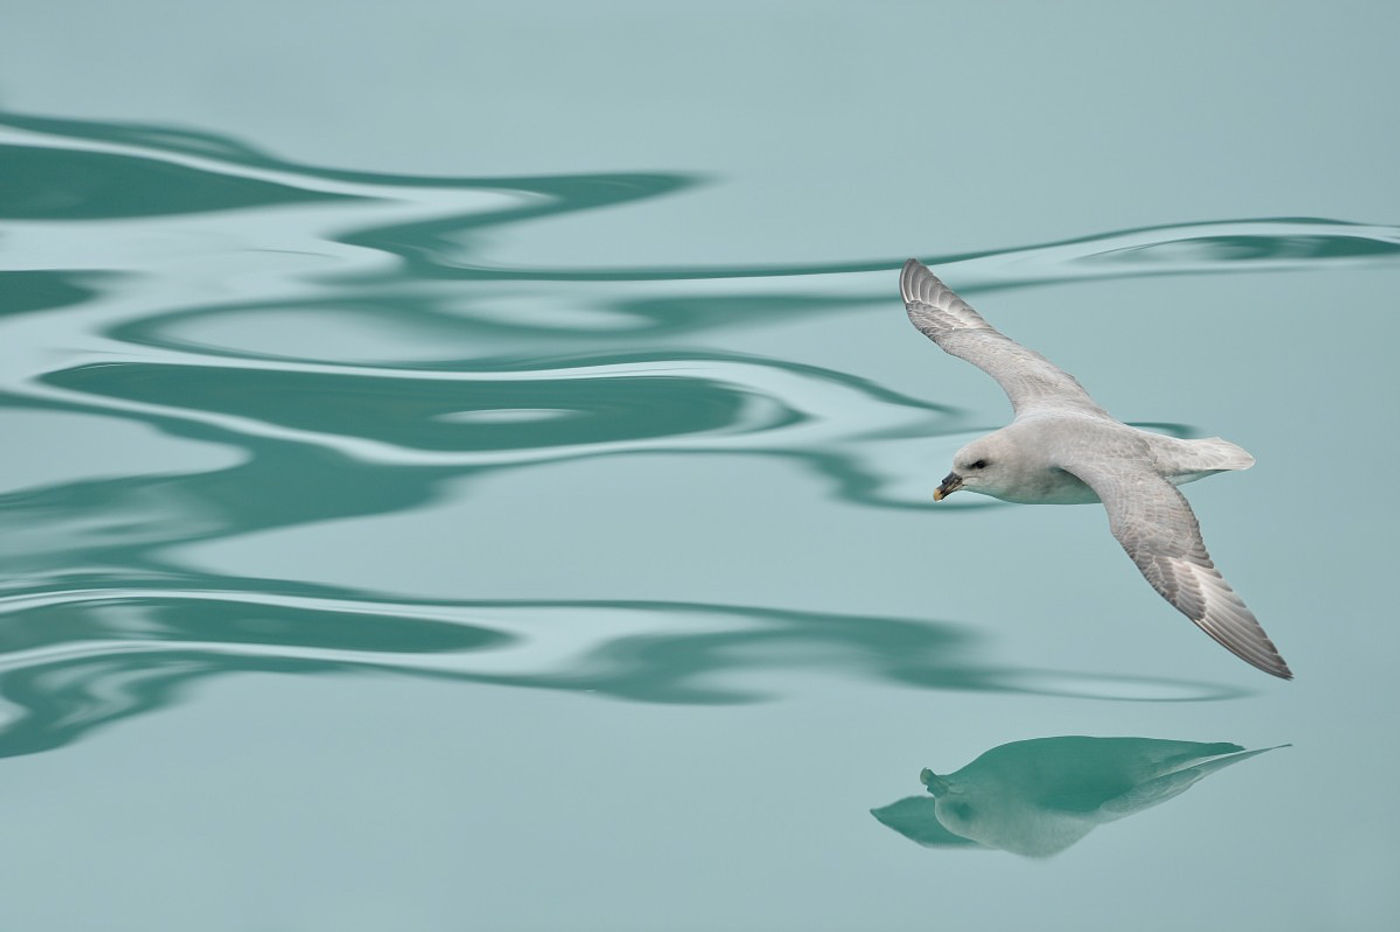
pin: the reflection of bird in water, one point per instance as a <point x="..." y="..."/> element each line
<point x="1062" y="448"/>
<point x="1038" y="797"/>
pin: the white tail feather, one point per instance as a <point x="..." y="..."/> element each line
<point x="1213" y="453"/>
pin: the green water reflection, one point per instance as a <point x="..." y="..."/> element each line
<point x="63" y="184"/>
<point x="469" y="467"/>
<point x="79" y="660"/>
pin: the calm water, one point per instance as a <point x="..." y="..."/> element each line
<point x="470" y="468"/>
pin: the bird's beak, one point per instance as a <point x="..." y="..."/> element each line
<point x="951" y="483"/>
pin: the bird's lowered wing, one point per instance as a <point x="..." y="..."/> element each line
<point x="1153" y="522"/>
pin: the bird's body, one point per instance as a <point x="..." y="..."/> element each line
<point x="1041" y="443"/>
<point x="1062" y="448"/>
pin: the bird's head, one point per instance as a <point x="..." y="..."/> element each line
<point x="981" y="466"/>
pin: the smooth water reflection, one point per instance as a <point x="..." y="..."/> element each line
<point x="1038" y="797"/>
<point x="249" y="345"/>
<point x="75" y="661"/>
<point x="464" y="462"/>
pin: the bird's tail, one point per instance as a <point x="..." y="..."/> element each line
<point x="1188" y="460"/>
<point x="1213" y="454"/>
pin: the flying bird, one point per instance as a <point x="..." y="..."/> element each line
<point x="1062" y="448"/>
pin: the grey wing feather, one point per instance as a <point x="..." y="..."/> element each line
<point x="1029" y="379"/>
<point x="1157" y="528"/>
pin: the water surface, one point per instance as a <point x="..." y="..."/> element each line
<point x="480" y="476"/>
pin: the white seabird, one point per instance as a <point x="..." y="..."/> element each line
<point x="1062" y="448"/>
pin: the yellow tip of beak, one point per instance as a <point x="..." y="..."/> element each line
<point x="938" y="495"/>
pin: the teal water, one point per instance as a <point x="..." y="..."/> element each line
<point x="470" y="468"/>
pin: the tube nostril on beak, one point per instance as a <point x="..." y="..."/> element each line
<point x="951" y="483"/>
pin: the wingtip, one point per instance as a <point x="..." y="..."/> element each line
<point x="910" y="277"/>
<point x="1272" y="664"/>
<point x="1275" y="665"/>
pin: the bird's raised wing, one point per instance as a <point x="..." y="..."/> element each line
<point x="1153" y="522"/>
<point x="1029" y="379"/>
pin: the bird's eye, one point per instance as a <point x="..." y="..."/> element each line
<point x="980" y="464"/>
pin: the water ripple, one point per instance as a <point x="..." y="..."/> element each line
<point x="88" y="169"/>
<point x="76" y="660"/>
<point x="342" y="344"/>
